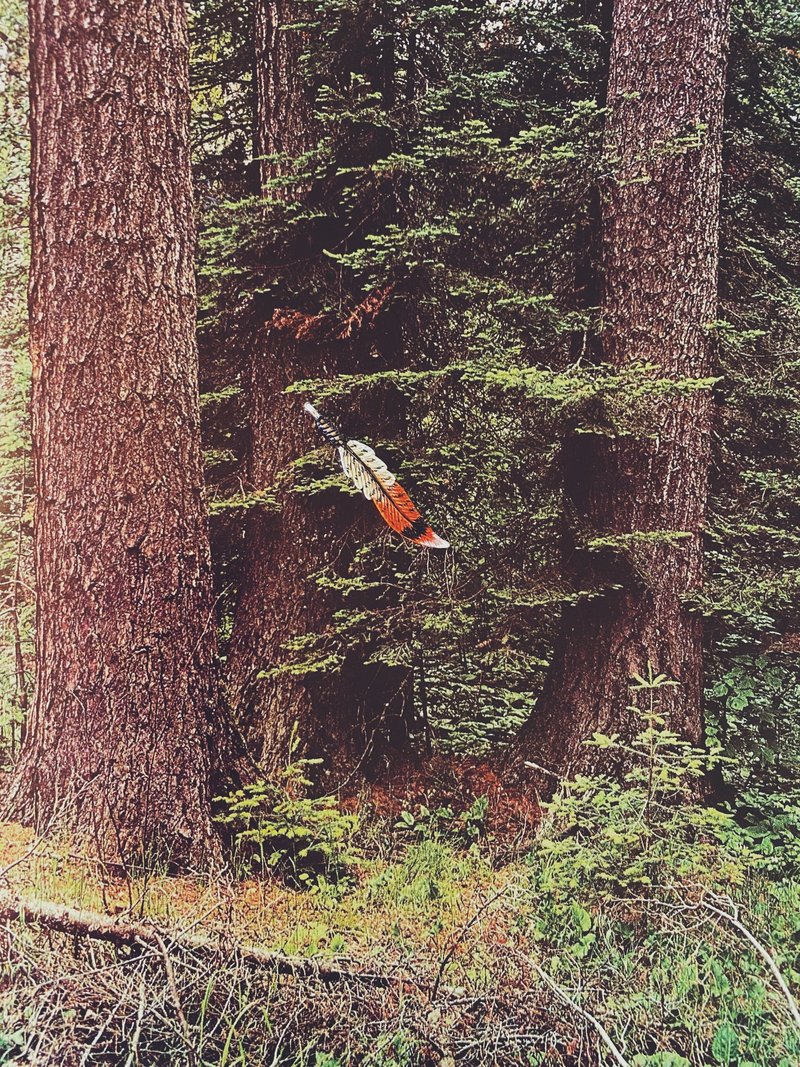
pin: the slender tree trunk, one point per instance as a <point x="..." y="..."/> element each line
<point x="118" y="741"/>
<point x="660" y="222"/>
<point x="277" y="598"/>
<point x="340" y="714"/>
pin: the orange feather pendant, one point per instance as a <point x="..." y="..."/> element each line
<point x="372" y="477"/>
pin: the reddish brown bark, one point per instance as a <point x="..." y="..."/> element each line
<point x="284" y="123"/>
<point x="340" y="715"/>
<point x="117" y="744"/>
<point x="660" y="239"/>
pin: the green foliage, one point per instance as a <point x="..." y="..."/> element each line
<point x="754" y="714"/>
<point x="428" y="877"/>
<point x="635" y="885"/>
<point x="641" y="830"/>
<point x="460" y="163"/>
<point x="16" y="608"/>
<point x="279" y="826"/>
<point x="442" y="823"/>
<point x="458" y="175"/>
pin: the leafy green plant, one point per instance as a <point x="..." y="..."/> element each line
<point x="613" y="834"/>
<point x="280" y="826"/>
<point x="636" y="891"/>
<point x="754" y="715"/>
<point x="442" y="823"/>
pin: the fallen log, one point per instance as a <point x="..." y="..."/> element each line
<point x="100" y="927"/>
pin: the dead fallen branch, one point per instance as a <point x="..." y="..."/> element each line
<point x="764" y="953"/>
<point x="95" y="925"/>
<point x="562" y="994"/>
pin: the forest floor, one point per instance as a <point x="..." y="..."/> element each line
<point x="377" y="909"/>
<point x="458" y="930"/>
<point x="421" y="902"/>
<point x="378" y="914"/>
<point x="438" y="922"/>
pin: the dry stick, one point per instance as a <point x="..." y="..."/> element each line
<point x="134" y="1047"/>
<point x="169" y="971"/>
<point x="102" y="928"/>
<point x="544" y="770"/>
<point x="604" y="1034"/>
<point x="765" y="955"/>
<point x="462" y="933"/>
<point x="105" y="1025"/>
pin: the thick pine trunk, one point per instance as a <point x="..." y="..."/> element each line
<point x="660" y="238"/>
<point x="117" y="745"/>
<point x="341" y="715"/>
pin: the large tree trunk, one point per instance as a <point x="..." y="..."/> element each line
<point x="342" y="715"/>
<point x="660" y="237"/>
<point x="118" y="740"/>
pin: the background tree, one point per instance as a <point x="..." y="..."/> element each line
<point x="641" y="497"/>
<point x="493" y="149"/>
<point x="118" y="738"/>
<point x="289" y="538"/>
<point x="283" y="546"/>
<point x="751" y="603"/>
<point x="397" y="202"/>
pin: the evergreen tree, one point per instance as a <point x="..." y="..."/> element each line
<point x="117" y="745"/>
<point x="492" y="156"/>
<point x="289" y="539"/>
<point x="445" y="177"/>
<point x="642" y="497"/>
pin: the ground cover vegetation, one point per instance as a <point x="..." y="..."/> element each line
<point x="424" y="262"/>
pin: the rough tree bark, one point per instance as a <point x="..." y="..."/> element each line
<point x="284" y="123"/>
<point x="338" y="715"/>
<point x="118" y="740"/>
<point x="660" y="239"/>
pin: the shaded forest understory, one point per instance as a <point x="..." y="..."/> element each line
<point x="278" y="785"/>
<point x="418" y="938"/>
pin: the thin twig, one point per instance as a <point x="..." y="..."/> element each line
<point x="544" y="770"/>
<point x="137" y="1033"/>
<point x="601" y="1030"/>
<point x="765" y="954"/>
<point x="169" y="971"/>
<point x="462" y="933"/>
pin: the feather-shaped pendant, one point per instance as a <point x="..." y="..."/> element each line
<point x="372" y="477"/>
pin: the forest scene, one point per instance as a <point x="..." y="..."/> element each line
<point x="399" y="548"/>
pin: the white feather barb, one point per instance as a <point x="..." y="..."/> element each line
<point x="368" y="474"/>
<point x="372" y="477"/>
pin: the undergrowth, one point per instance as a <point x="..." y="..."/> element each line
<point x="281" y="826"/>
<point x="641" y="926"/>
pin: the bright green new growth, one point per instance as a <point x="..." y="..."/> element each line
<point x="279" y="827"/>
